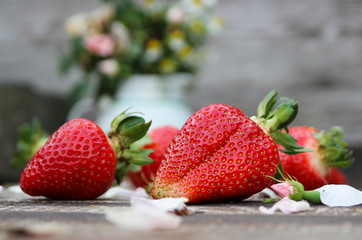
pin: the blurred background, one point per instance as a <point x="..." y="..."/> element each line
<point x="310" y="50"/>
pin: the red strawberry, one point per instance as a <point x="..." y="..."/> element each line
<point x="313" y="169"/>
<point x="336" y="176"/>
<point x="220" y="154"/>
<point x="161" y="138"/>
<point x="79" y="161"/>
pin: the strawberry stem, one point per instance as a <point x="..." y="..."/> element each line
<point x="125" y="130"/>
<point x="312" y="196"/>
<point x="333" y="148"/>
<point x="30" y="139"/>
<point x="276" y="114"/>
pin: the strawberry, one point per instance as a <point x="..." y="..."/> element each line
<point x="315" y="169"/>
<point x="80" y="162"/>
<point x="220" y="154"/>
<point x="336" y="176"/>
<point x="160" y="139"/>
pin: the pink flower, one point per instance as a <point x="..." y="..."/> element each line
<point x="101" y="44"/>
<point x="175" y="15"/>
<point x="283" y="189"/>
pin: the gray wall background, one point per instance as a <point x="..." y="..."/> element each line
<point x="310" y="50"/>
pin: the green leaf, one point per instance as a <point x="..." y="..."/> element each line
<point x="121" y="171"/>
<point x="31" y="138"/>
<point x="132" y="129"/>
<point x="138" y="157"/>
<point x="140" y="143"/>
<point x="65" y="63"/>
<point x="282" y="115"/>
<point x="288" y="142"/>
<point x="333" y="148"/>
<point x="267" y="104"/>
<point x="296" y="151"/>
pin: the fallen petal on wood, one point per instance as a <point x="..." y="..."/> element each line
<point x="266" y="194"/>
<point x="119" y="192"/>
<point x="143" y="218"/>
<point x="286" y="206"/>
<point x="340" y="195"/>
<point x="175" y="205"/>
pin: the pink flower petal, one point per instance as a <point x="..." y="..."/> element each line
<point x="286" y="206"/>
<point x="283" y="189"/>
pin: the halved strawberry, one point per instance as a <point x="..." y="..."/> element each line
<point x="160" y="139"/>
<point x="314" y="169"/>
<point x="80" y="162"/>
<point x="222" y="155"/>
<point x="336" y="176"/>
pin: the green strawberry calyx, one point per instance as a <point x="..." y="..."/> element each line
<point x="276" y="113"/>
<point x="31" y="138"/>
<point x="333" y="149"/>
<point x="126" y="129"/>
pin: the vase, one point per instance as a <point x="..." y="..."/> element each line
<point x="159" y="98"/>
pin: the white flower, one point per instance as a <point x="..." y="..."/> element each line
<point x="215" y="25"/>
<point x="340" y="195"/>
<point x="197" y="6"/>
<point x="175" y="15"/>
<point x="121" y="34"/>
<point x="108" y="67"/>
<point x="176" y="40"/>
<point x="77" y="25"/>
<point x="153" y="50"/>
<point x="286" y="206"/>
<point x="104" y="14"/>
<point x="1" y="188"/>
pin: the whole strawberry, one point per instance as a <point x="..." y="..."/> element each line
<point x="317" y="168"/>
<point x="221" y="155"/>
<point x="80" y="162"/>
<point x="160" y="139"/>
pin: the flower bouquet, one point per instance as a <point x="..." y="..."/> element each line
<point x="126" y="37"/>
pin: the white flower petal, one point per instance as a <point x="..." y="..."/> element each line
<point x="286" y="206"/>
<point x="340" y="195"/>
<point x="1" y="188"/>
<point x="267" y="193"/>
<point x="143" y="218"/>
<point x="163" y="204"/>
<point x="119" y="192"/>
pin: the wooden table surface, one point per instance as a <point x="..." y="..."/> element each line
<point x="24" y="217"/>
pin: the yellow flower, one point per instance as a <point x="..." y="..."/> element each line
<point x="153" y="50"/>
<point x="149" y="3"/>
<point x="168" y="65"/>
<point x="185" y="53"/>
<point x="176" y="40"/>
<point x="153" y="44"/>
<point x="197" y="26"/>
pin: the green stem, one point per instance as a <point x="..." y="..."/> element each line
<point x="312" y="196"/>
